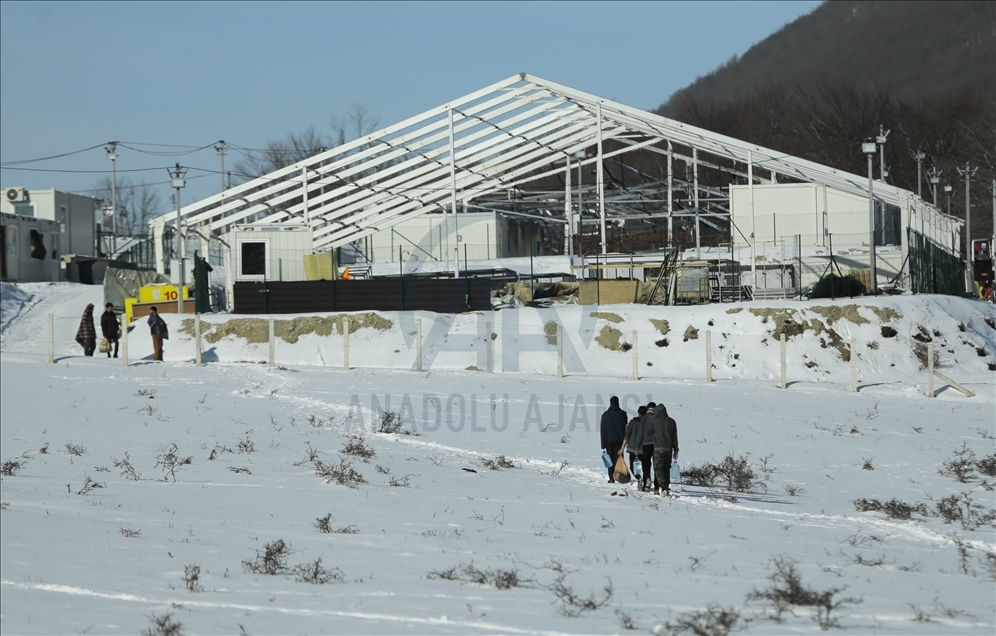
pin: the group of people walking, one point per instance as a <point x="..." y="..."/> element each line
<point x="651" y="437"/>
<point x="110" y="329"/>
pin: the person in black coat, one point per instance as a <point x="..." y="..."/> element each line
<point x="613" y="429"/>
<point x="665" y="449"/>
<point x="110" y="328"/>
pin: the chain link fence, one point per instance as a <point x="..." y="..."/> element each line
<point x="535" y="342"/>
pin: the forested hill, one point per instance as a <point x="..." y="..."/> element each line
<point x="816" y="89"/>
<point x="915" y="50"/>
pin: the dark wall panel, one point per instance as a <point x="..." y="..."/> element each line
<point x="439" y="295"/>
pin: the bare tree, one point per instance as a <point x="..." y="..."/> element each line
<point x="294" y="147"/>
<point x="354" y="124"/>
<point x="281" y="153"/>
<point x="136" y="204"/>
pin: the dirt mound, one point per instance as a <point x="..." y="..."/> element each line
<point x="550" y="329"/>
<point x="256" y="330"/>
<point x="611" y="338"/>
<point x="605" y="315"/>
<point x="662" y="326"/>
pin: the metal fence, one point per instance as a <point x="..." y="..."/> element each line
<point x="571" y="342"/>
<point x="933" y="269"/>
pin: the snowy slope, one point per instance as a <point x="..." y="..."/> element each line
<point x="67" y="565"/>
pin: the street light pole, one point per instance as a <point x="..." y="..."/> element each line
<point x="177" y="181"/>
<point x="920" y="156"/>
<point x="968" y="173"/>
<point x="948" y="188"/>
<point x="869" y="149"/>
<point x="111" y="149"/>
<point x="935" y="178"/>
<point x="221" y="148"/>
<point x="883" y="134"/>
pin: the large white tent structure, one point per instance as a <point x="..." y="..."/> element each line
<point x="497" y="141"/>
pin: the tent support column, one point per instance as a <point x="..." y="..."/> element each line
<point x="753" y="229"/>
<point x="304" y="183"/>
<point x="670" y="194"/>
<point x="453" y="196"/>
<point x="695" y="185"/>
<point x="601" y="180"/>
<point x="568" y="210"/>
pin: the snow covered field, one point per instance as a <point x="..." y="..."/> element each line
<point x="430" y="539"/>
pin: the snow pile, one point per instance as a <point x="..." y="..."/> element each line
<point x="13" y="302"/>
<point x="871" y="511"/>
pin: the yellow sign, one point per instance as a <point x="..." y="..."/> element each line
<point x="154" y="294"/>
<point x="160" y="293"/>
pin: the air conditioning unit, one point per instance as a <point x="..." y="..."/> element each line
<point x="17" y="195"/>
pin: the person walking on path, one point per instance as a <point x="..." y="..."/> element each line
<point x="665" y="449"/>
<point x="613" y="429"/>
<point x="110" y="328"/>
<point x="647" y="454"/>
<point x="86" y="336"/>
<point x="157" y="326"/>
<point x="635" y="433"/>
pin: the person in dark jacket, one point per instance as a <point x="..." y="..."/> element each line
<point x="157" y="326"/>
<point x="648" y="447"/>
<point x="613" y="430"/>
<point x="665" y="448"/>
<point x="635" y="432"/>
<point x="110" y="328"/>
<point x="86" y="336"/>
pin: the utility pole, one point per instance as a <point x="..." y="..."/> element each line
<point x="968" y="173"/>
<point x="935" y="177"/>
<point x="111" y="149"/>
<point x="993" y="235"/>
<point x="883" y="134"/>
<point x="177" y="181"/>
<point x="221" y="148"/>
<point x="920" y="156"/>
<point x="869" y="149"/>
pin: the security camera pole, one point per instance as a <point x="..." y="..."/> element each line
<point x="935" y="177"/>
<point x="221" y="148"/>
<point x="869" y="149"/>
<point x="883" y="134"/>
<point x="111" y="149"/>
<point x="177" y="181"/>
<point x="968" y="173"/>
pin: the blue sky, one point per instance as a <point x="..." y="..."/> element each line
<point x="76" y="75"/>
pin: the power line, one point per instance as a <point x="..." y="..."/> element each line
<point x="177" y="153"/>
<point x="65" y="154"/>
<point x="78" y="171"/>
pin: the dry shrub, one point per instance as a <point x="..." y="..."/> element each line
<point x="787" y="591"/>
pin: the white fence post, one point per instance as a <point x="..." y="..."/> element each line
<point x="930" y="369"/>
<point x="489" y="345"/>
<point x="345" y="342"/>
<point x="272" y="344"/>
<point x="708" y="344"/>
<point x="782" y="339"/>
<point x="854" y="367"/>
<point x="51" y="338"/>
<point x="124" y="341"/>
<point x="197" y="338"/>
<point x="560" y="350"/>
<point x="418" y="342"/>
<point x="636" y="357"/>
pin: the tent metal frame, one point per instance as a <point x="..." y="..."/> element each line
<point x="499" y="139"/>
